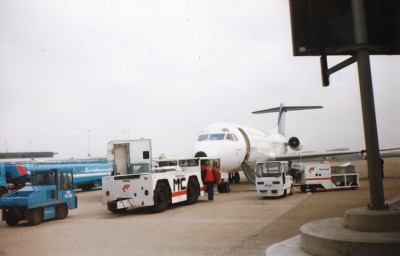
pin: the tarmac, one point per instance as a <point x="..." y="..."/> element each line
<point x="236" y="223"/>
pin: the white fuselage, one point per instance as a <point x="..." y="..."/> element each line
<point x="235" y="144"/>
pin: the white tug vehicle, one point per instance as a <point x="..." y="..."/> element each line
<point x="273" y="179"/>
<point x="173" y="181"/>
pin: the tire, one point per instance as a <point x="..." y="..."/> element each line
<point x="284" y="193"/>
<point x="11" y="218"/>
<point x="226" y="187"/>
<point x="236" y="177"/>
<point x="34" y="216"/>
<point x="193" y="191"/>
<point x="61" y="211"/>
<point x="87" y="187"/>
<point x="313" y="189"/>
<point x="220" y="187"/>
<point x="122" y="210"/>
<point x="303" y="188"/>
<point x="161" y="197"/>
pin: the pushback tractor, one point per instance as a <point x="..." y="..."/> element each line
<point x="136" y="183"/>
<point x="173" y="181"/>
<point x="49" y="195"/>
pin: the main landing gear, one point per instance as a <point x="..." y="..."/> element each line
<point x="224" y="187"/>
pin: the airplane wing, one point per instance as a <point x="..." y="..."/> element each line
<point x="337" y="155"/>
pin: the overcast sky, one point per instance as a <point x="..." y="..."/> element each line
<point x="75" y="75"/>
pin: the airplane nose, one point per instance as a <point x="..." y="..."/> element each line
<point x="200" y="154"/>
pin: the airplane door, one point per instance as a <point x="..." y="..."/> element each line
<point x="246" y="138"/>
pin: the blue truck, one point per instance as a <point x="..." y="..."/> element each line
<point x="50" y="194"/>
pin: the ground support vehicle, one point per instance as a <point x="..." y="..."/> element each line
<point x="50" y="195"/>
<point x="273" y="179"/>
<point x="321" y="175"/>
<point x="173" y="181"/>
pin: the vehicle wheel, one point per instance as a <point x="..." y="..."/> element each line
<point x="236" y="177"/>
<point x="193" y="191"/>
<point x="122" y="210"/>
<point x="313" y="188"/>
<point x="11" y="218"/>
<point x="35" y="216"/>
<point x="303" y="188"/>
<point x="161" y="197"/>
<point x="87" y="187"/>
<point x="61" y="211"/>
<point x="284" y="193"/>
<point x="220" y="187"/>
<point x="226" y="187"/>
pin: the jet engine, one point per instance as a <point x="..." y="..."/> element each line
<point x="295" y="143"/>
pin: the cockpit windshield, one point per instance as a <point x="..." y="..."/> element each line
<point x="203" y="137"/>
<point x="268" y="170"/>
<point x="217" y="136"/>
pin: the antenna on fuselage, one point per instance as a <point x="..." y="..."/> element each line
<point x="282" y="109"/>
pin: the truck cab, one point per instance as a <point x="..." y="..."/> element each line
<point x="273" y="179"/>
<point x="49" y="195"/>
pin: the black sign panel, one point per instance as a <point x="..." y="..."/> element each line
<point x="325" y="27"/>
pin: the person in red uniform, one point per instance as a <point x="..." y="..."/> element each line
<point x="209" y="181"/>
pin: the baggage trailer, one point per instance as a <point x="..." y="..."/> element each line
<point x="273" y="179"/>
<point x="50" y="194"/>
<point x="321" y="175"/>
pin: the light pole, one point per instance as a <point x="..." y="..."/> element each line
<point x="88" y="143"/>
<point x="6" y="144"/>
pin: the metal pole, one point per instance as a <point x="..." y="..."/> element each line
<point x="88" y="143"/>
<point x="368" y="108"/>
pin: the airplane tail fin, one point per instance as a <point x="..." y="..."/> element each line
<point x="282" y="111"/>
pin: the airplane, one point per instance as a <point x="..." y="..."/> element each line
<point x="240" y="148"/>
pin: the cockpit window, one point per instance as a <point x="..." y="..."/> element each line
<point x="231" y="136"/>
<point x="203" y="137"/>
<point x="234" y="136"/>
<point x="268" y="170"/>
<point x="217" y="136"/>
